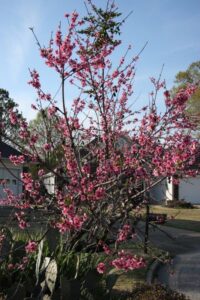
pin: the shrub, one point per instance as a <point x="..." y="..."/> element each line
<point x="179" y="204"/>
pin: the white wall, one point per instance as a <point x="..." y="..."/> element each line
<point x="189" y="190"/>
<point x="163" y="191"/>
<point x="158" y="193"/>
<point x="169" y="189"/>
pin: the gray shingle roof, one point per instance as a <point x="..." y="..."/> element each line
<point x="7" y="150"/>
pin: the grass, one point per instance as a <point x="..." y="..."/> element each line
<point x="127" y="281"/>
<point x="182" y="218"/>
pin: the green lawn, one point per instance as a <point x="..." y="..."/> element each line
<point x="182" y="218"/>
<point x="127" y="281"/>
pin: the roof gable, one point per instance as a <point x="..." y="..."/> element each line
<point x="7" y="150"/>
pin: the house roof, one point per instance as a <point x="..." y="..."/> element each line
<point x="6" y="150"/>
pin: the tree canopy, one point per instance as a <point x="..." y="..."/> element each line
<point x="9" y="116"/>
<point x="190" y="76"/>
<point x="46" y="132"/>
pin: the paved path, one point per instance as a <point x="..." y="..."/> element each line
<point x="184" y="273"/>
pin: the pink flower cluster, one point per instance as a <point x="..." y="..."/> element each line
<point x="18" y="266"/>
<point x="30" y="185"/>
<point x="101" y="268"/>
<point x="41" y="172"/>
<point x="124" y="233"/>
<point x="105" y="247"/>
<point x="31" y="247"/>
<point x="17" y="159"/>
<point x="127" y="261"/>
<point x="47" y="147"/>
<point x="70" y="220"/>
<point x="35" y="82"/>
<point x="20" y="217"/>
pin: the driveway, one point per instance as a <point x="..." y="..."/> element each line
<point x="184" y="273"/>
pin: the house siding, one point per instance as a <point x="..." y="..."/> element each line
<point x="13" y="180"/>
<point x="158" y="193"/>
<point x="189" y="189"/>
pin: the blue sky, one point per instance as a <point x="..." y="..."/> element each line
<point x="171" y="27"/>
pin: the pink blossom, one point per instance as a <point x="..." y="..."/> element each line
<point x="99" y="193"/>
<point x="47" y="147"/>
<point x="41" y="172"/>
<point x="101" y="268"/>
<point x="52" y="110"/>
<point x="126" y="262"/>
<point x="106" y="248"/>
<point x="22" y="224"/>
<point x="31" y="247"/>
<point x="123" y="233"/>
<point x="35" y="79"/>
<point x="17" y="160"/>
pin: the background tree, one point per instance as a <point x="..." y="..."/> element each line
<point x="9" y="128"/>
<point x="46" y="132"/>
<point x="190" y="76"/>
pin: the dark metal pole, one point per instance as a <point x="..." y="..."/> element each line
<point x="146" y="234"/>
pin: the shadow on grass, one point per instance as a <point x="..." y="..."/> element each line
<point x="184" y="224"/>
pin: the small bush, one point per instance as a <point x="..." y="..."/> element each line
<point x="157" y="218"/>
<point x="179" y="204"/>
<point x="154" y="292"/>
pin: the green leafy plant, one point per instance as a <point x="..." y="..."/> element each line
<point x="179" y="204"/>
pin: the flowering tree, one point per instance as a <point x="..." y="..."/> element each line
<point x="112" y="154"/>
<point x="44" y="128"/>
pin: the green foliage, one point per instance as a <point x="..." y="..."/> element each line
<point x="104" y="22"/>
<point x="7" y="131"/>
<point x="10" y="277"/>
<point x="190" y="76"/>
<point x="51" y="271"/>
<point x="46" y="130"/>
<point x="179" y="204"/>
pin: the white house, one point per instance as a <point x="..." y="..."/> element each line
<point x="188" y="189"/>
<point x="9" y="173"/>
